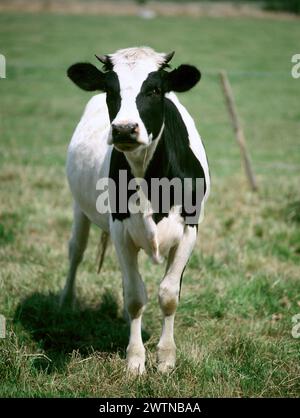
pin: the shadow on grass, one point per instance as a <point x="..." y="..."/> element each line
<point x="84" y="329"/>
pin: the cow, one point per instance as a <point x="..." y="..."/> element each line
<point x="137" y="126"/>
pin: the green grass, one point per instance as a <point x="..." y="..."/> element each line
<point x="241" y="288"/>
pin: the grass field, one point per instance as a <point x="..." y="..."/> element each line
<point x="241" y="288"/>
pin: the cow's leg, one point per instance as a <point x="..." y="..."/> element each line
<point x="77" y="245"/>
<point x="135" y="296"/>
<point x="169" y="295"/>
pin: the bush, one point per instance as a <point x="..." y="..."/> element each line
<point x="287" y="5"/>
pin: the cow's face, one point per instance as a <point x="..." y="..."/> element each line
<point x="135" y="83"/>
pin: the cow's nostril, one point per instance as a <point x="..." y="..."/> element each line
<point x="134" y="128"/>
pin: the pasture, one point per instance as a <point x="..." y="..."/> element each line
<point x="241" y="287"/>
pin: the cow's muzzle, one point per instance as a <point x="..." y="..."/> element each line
<point x="125" y="136"/>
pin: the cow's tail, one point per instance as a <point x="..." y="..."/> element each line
<point x="103" y="241"/>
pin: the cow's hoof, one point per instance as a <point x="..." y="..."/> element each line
<point x="135" y="362"/>
<point x="166" y="360"/>
<point x="136" y="367"/>
<point x="165" y="367"/>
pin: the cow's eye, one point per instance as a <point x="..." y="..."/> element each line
<point x="156" y="91"/>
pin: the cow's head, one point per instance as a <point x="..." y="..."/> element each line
<point x="135" y="81"/>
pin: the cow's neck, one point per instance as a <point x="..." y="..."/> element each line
<point x="139" y="159"/>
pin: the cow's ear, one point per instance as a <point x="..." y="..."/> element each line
<point x="182" y="78"/>
<point x="86" y="76"/>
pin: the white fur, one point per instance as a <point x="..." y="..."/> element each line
<point x="88" y="158"/>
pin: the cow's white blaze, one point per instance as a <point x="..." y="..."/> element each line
<point x="132" y="67"/>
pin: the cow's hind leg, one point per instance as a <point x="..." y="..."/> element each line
<point x="77" y="245"/>
<point x="169" y="296"/>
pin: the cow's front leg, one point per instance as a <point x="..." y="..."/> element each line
<point x="135" y="296"/>
<point x="169" y="296"/>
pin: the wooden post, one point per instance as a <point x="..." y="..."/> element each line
<point x="239" y="133"/>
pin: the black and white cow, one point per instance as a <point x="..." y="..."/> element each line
<point x="137" y="125"/>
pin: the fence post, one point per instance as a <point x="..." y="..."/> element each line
<point x="2" y="66"/>
<point x="239" y="133"/>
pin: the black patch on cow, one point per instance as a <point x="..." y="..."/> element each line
<point x="113" y="97"/>
<point x="150" y="103"/>
<point x="119" y="162"/>
<point x="172" y="158"/>
<point x="108" y="65"/>
<point x="181" y="278"/>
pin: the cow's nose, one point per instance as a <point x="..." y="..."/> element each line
<point x="125" y="132"/>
